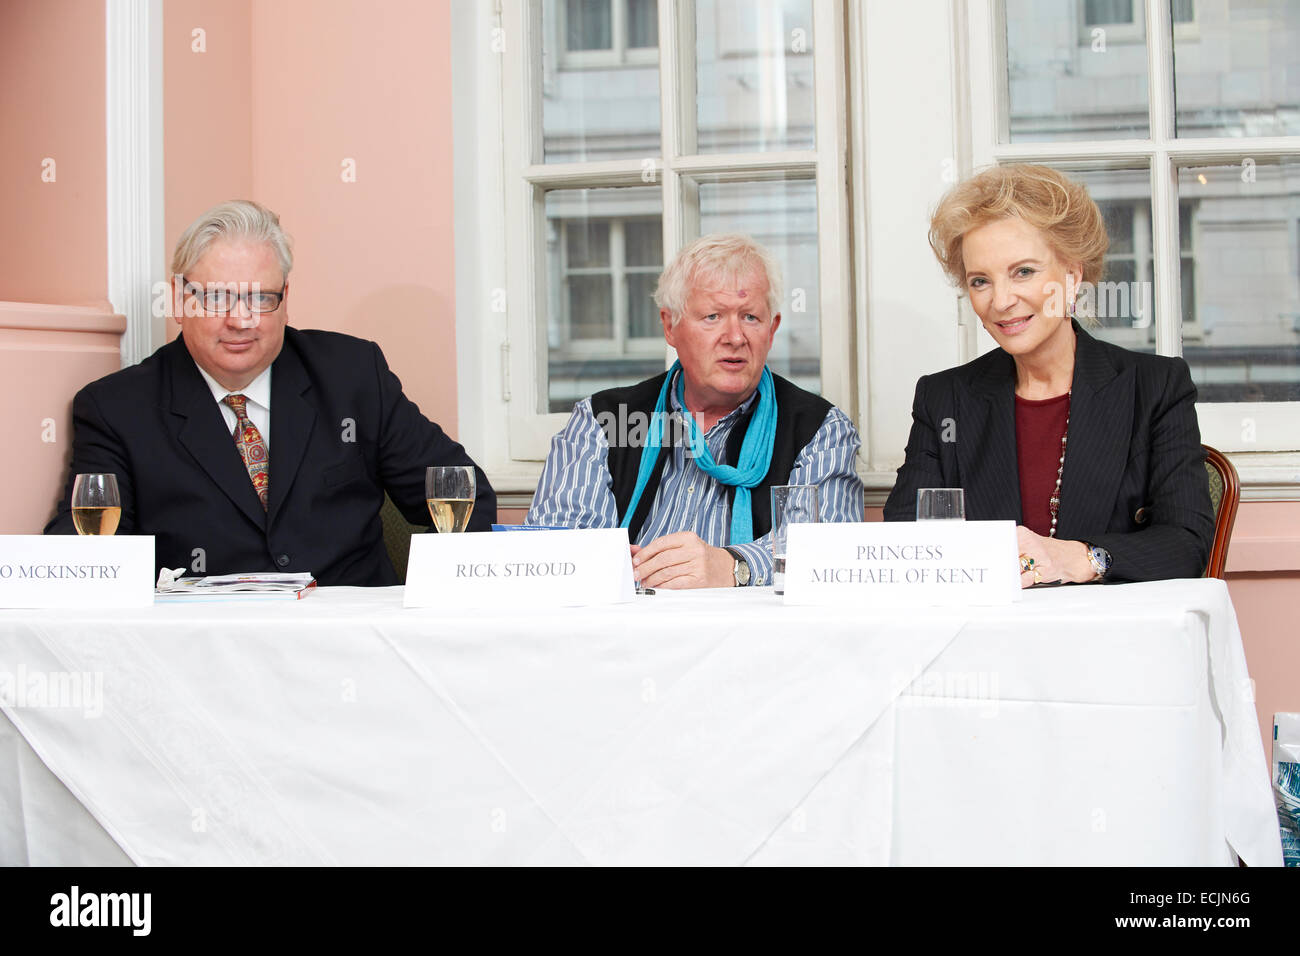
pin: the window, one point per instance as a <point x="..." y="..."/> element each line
<point x="604" y="324"/>
<point x="1194" y="159"/>
<point x="605" y="32"/>
<point x="744" y="117"/>
<point x="729" y="117"/>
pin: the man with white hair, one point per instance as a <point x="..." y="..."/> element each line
<point x="697" y="504"/>
<point x="190" y="431"/>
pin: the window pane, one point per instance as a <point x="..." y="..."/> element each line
<point x="754" y="75"/>
<point x="598" y="102"/>
<point x="1067" y="80"/>
<point x="587" y="25"/>
<point x="642" y="23"/>
<point x="591" y="306"/>
<point x="645" y="243"/>
<point x="601" y="325"/>
<point x="1123" y="302"/>
<point x="1241" y="282"/>
<point x="1235" y="70"/>
<point x="643" y="314"/>
<point x="586" y="243"/>
<point x="1107" y="11"/>
<point x="782" y="215"/>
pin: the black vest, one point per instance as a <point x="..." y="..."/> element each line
<point x="799" y="414"/>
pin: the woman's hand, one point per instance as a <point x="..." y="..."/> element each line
<point x="1053" y="560"/>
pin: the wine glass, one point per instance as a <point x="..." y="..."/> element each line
<point x="940" y="504"/>
<point x="449" y="489"/>
<point x="96" y="504"/>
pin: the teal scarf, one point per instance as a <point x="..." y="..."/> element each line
<point x="755" y="453"/>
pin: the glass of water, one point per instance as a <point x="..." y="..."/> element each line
<point x="940" y="504"/>
<point x="791" y="504"/>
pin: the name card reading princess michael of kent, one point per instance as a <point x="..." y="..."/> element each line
<point x="512" y="569"/>
<point x="76" y="571"/>
<point x="892" y="564"/>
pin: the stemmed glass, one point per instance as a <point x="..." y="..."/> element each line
<point x="96" y="504"/>
<point x="449" y="489"/>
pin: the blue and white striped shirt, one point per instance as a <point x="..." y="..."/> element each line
<point x="576" y="488"/>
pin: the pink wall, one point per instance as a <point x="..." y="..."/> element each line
<point x="207" y="99"/>
<point x="1264" y="581"/>
<point x="301" y="87"/>
<point x="47" y="352"/>
<point x="53" y="247"/>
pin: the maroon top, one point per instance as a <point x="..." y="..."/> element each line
<point x="1039" y="426"/>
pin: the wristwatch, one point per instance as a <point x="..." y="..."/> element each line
<point x="739" y="570"/>
<point x="1099" y="558"/>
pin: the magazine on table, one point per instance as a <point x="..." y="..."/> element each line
<point x="291" y="585"/>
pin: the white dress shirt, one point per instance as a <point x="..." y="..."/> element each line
<point x="258" y="407"/>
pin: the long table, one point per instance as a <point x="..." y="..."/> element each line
<point x="1083" y="725"/>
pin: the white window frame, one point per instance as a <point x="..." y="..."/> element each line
<point x="1269" y="465"/>
<point x="502" y="356"/>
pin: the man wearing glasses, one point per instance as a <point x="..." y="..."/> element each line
<point x="247" y="445"/>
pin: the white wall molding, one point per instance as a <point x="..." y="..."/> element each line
<point x="134" y="127"/>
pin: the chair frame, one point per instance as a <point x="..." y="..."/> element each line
<point x="1226" y="516"/>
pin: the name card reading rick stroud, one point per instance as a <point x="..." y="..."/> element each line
<point x="893" y="564"/>
<point x="512" y="569"/>
<point x="76" y="571"/>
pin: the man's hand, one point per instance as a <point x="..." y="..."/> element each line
<point x="682" y="560"/>
<point x="1053" y="560"/>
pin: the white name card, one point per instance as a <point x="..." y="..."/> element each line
<point x="895" y="564"/>
<point x="76" y="570"/>
<point x="520" y="569"/>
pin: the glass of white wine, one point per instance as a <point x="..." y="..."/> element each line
<point x="96" y="504"/>
<point x="449" y="489"/>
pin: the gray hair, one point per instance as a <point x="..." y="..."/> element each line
<point x="726" y="256"/>
<point x="233" y="219"/>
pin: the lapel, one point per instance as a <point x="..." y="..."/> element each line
<point x="292" y="420"/>
<point x="986" y="439"/>
<point x="1101" y="428"/>
<point x="201" y="430"/>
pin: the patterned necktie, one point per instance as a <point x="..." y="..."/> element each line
<point x="251" y="447"/>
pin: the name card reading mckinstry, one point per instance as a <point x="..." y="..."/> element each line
<point x="892" y="564"/>
<point x="510" y="569"/>
<point x="76" y="571"/>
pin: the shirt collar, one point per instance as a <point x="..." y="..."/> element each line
<point x="727" y="419"/>
<point x="258" y="391"/>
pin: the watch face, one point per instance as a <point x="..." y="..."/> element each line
<point x="739" y="568"/>
<point x="741" y="572"/>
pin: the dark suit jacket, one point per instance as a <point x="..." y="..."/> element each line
<point x="1134" y="480"/>
<point x="341" y="434"/>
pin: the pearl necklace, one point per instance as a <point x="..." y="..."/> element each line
<point x="1054" y="503"/>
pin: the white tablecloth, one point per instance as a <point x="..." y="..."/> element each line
<point x="1084" y="725"/>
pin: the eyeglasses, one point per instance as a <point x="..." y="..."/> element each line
<point x="221" y="300"/>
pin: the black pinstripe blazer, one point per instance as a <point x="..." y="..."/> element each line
<point x="1134" y="480"/>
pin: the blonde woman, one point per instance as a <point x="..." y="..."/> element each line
<point x="1093" y="450"/>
